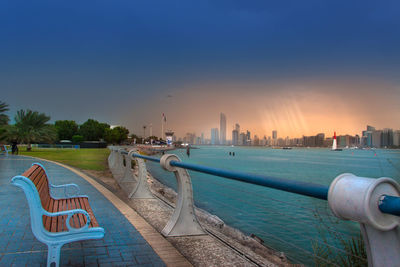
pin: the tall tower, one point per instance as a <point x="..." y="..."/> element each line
<point x="214" y="136"/>
<point x="222" y="129"/>
<point x="237" y="127"/>
<point x="274" y="134"/>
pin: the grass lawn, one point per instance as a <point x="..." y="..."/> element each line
<point x="85" y="158"/>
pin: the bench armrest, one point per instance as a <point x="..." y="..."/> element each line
<point x="67" y="192"/>
<point x="70" y="213"/>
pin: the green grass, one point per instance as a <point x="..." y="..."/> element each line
<point x="87" y="159"/>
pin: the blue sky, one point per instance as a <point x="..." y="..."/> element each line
<point x="117" y="61"/>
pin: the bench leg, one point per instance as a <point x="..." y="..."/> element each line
<point x="53" y="255"/>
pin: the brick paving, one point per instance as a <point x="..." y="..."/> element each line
<point x="122" y="245"/>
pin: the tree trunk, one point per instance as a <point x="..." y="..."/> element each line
<point x="29" y="147"/>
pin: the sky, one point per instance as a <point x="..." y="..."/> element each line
<point x="298" y="67"/>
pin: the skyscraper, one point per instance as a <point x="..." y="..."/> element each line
<point x="235" y="137"/>
<point x="237" y="127"/>
<point x="214" y="136"/>
<point x="248" y="139"/>
<point x="274" y="134"/>
<point x="222" y="129"/>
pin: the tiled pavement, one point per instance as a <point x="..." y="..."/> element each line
<point x="122" y="245"/>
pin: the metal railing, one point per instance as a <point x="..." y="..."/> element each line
<point x="373" y="203"/>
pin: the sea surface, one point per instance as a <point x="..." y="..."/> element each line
<point x="287" y="222"/>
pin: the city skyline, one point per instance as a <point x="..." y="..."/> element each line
<point x="371" y="137"/>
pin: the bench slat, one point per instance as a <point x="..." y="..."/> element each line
<point x="29" y="171"/>
<point x="82" y="218"/>
<point x="64" y="201"/>
<point x="75" y="217"/>
<point x="93" y="221"/>
<point x="54" y="219"/>
<point x="46" y="219"/>
<point x="47" y="223"/>
<point x="60" y="219"/>
<point x="81" y="203"/>
<point x="34" y="174"/>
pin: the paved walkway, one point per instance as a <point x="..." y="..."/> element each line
<point x="122" y="245"/>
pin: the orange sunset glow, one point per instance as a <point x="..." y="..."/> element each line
<point x="293" y="109"/>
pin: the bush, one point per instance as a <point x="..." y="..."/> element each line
<point x="77" y="138"/>
<point x="336" y="249"/>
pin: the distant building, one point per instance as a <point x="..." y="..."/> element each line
<point x="263" y="142"/>
<point x="376" y="138"/>
<point x="198" y="140"/>
<point x="387" y="138"/>
<point x="396" y="138"/>
<point x="237" y="127"/>
<point x="309" y="141"/>
<point x="256" y="141"/>
<point x="274" y="134"/>
<point x="367" y="138"/>
<point x="248" y="138"/>
<point x="222" y="129"/>
<point x="189" y="138"/>
<point x="202" y="139"/>
<point x="281" y="142"/>
<point x="269" y="141"/>
<point x="214" y="136"/>
<point x="242" y="139"/>
<point x="287" y="141"/>
<point x="357" y="140"/>
<point x="319" y="140"/>
<point x="169" y="137"/>
<point x="235" y="137"/>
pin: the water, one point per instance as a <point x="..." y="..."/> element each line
<point x="287" y="222"/>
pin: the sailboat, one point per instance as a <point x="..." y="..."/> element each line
<point x="334" y="144"/>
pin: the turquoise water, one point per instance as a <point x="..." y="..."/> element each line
<point x="287" y="222"/>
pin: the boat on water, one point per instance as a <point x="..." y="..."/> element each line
<point x="286" y="147"/>
<point x="334" y="144"/>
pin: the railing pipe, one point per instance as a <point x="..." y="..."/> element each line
<point x="302" y="188"/>
<point x="146" y="157"/>
<point x="390" y="205"/>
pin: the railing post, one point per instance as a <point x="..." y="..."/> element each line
<point x="183" y="221"/>
<point x="128" y="175"/>
<point x="141" y="189"/>
<point x="119" y="169"/>
<point x="112" y="158"/>
<point x="357" y="198"/>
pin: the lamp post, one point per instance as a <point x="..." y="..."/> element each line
<point x="144" y="132"/>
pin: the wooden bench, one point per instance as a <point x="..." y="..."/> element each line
<point x="56" y="221"/>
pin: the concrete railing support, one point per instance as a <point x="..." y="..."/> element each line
<point x="183" y="221"/>
<point x="128" y="172"/>
<point x="112" y="159"/>
<point x="141" y="189"/>
<point x="357" y="199"/>
<point x="119" y="169"/>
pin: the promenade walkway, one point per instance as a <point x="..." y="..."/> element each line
<point x="122" y="245"/>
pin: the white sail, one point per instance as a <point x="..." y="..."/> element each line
<point x="334" y="144"/>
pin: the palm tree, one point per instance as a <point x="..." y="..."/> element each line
<point x="31" y="126"/>
<point x="3" y="119"/>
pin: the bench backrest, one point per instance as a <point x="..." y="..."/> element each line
<point x="35" y="184"/>
<point x="38" y="176"/>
